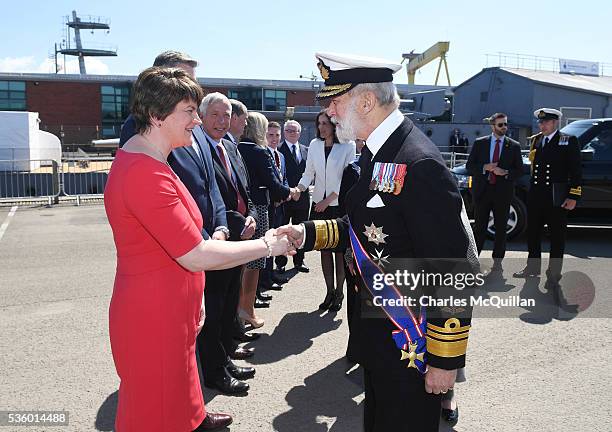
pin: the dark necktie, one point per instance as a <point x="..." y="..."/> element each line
<point x="365" y="159"/>
<point x="546" y="142"/>
<point x="295" y="156"/>
<point x="277" y="160"/>
<point x="241" y="207"/>
<point x="493" y="177"/>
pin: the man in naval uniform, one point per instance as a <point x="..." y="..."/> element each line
<point x="405" y="206"/>
<point x="556" y="178"/>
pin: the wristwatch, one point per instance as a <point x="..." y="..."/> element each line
<point x="224" y="230"/>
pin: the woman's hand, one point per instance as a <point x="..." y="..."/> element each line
<point x="202" y="316"/>
<point x="279" y="244"/>
<point x="321" y="206"/>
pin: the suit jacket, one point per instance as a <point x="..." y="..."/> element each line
<point x="196" y="174"/>
<point x="425" y="221"/>
<point x="229" y="189"/>
<point x="294" y="173"/>
<point x="266" y="183"/>
<point x="509" y="159"/>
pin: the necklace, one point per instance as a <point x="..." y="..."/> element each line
<point x="163" y="158"/>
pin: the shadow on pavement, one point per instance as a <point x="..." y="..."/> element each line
<point x="325" y="395"/>
<point x="105" y="419"/>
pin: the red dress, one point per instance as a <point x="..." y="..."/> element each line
<point x="155" y="308"/>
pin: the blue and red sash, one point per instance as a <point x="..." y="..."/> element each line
<point x="409" y="329"/>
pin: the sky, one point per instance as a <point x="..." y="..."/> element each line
<point x="267" y="39"/>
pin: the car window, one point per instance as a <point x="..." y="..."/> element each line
<point x="601" y="146"/>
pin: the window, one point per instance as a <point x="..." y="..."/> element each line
<point x="275" y="100"/>
<point x="12" y="96"/>
<point x="602" y="146"/>
<point x="249" y="96"/>
<point x="115" y="108"/>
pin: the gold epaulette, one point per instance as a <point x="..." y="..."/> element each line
<point x="448" y="341"/>
<point x="327" y="234"/>
<point x="534" y="136"/>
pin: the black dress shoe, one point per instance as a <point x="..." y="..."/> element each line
<point x="242" y="353"/>
<point x="246" y="337"/>
<point x="228" y="385"/>
<point x="450" y="416"/>
<point x="302" y="268"/>
<point x="214" y="421"/>
<point x="264" y="297"/>
<point x="329" y="300"/>
<point x="239" y="372"/>
<point x="337" y="303"/>
<point x="261" y="304"/>
<point x="275" y="287"/>
<point x="527" y="273"/>
<point x="280" y="269"/>
<point x="279" y="279"/>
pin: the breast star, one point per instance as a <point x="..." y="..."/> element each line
<point x="374" y="234"/>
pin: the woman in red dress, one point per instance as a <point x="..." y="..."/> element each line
<point x="156" y="309"/>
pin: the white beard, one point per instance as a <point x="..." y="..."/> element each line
<point x="346" y="130"/>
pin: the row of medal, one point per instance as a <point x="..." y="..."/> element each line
<point x="388" y="177"/>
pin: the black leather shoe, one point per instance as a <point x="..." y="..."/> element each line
<point x="329" y="300"/>
<point x="246" y="336"/>
<point x="450" y="416"/>
<point x="279" y="279"/>
<point x="302" y="268"/>
<point x="527" y="273"/>
<point x="242" y="353"/>
<point x="276" y="287"/>
<point x="228" y="385"/>
<point x="337" y="303"/>
<point x="280" y="269"/>
<point x="261" y="304"/>
<point x="214" y="421"/>
<point x="239" y="372"/>
<point x="264" y="297"/>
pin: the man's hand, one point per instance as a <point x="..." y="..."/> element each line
<point x="321" y="206"/>
<point x="218" y="235"/>
<point x="500" y="171"/>
<point x="294" y="232"/>
<point x="439" y="380"/>
<point x="249" y="228"/>
<point x="569" y="204"/>
<point x="295" y="194"/>
<point x="490" y="166"/>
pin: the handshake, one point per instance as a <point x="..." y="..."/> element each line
<point x="294" y="194"/>
<point x="284" y="240"/>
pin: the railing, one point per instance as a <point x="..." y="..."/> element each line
<point x="74" y="179"/>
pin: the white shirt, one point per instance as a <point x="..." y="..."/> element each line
<point x="232" y="139"/>
<point x="296" y="151"/>
<point x="384" y="130"/>
<point x="549" y="137"/>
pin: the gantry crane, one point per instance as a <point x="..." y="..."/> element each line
<point x="417" y="61"/>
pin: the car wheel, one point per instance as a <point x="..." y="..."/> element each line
<point x="517" y="220"/>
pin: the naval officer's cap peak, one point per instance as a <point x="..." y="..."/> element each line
<point x="342" y="72"/>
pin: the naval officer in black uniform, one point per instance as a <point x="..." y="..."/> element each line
<point x="405" y="206"/>
<point x="556" y="178"/>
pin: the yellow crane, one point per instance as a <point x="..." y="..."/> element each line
<point x="417" y="61"/>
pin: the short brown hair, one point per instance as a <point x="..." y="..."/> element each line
<point x="173" y="59"/>
<point x="496" y="116"/>
<point x="255" y="129"/>
<point x="274" y="124"/>
<point x="157" y="91"/>
<point x="238" y="108"/>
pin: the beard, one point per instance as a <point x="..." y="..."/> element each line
<point x="346" y="130"/>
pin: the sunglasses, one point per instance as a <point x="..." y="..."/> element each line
<point x="501" y="124"/>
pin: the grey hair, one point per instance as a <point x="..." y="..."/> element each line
<point x="212" y="98"/>
<point x="238" y="107"/>
<point x="385" y="93"/>
<point x="292" y="122"/>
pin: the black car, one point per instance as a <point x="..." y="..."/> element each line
<point x="595" y="206"/>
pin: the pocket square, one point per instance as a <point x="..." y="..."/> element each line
<point x="375" y="202"/>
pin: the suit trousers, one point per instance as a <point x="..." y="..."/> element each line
<point x="295" y="215"/>
<point x="540" y="212"/>
<point x="395" y="400"/>
<point x="215" y="341"/>
<point x="492" y="200"/>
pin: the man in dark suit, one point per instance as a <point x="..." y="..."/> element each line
<point x="556" y="187"/>
<point x="222" y="288"/>
<point x="494" y="163"/>
<point x="405" y="205"/>
<point x="295" y="211"/>
<point x="194" y="166"/>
